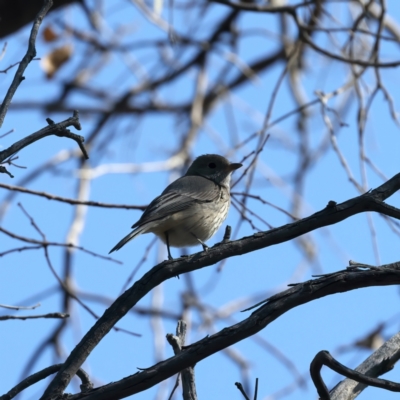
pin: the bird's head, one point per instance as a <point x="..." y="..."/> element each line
<point x="214" y="167"/>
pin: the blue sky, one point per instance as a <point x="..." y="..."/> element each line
<point x="299" y="334"/>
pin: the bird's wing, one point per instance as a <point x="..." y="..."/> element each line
<point x="179" y="196"/>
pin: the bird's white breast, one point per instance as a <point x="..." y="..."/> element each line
<point x="201" y="221"/>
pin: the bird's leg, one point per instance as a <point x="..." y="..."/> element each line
<point x="167" y="242"/>
<point x="205" y="247"/>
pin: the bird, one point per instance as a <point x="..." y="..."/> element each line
<point x="191" y="209"/>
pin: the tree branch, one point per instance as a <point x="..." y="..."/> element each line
<point x="59" y="129"/>
<point x="29" y="56"/>
<point x="378" y="363"/>
<point x="188" y="379"/>
<point x="324" y="358"/>
<point x="342" y="281"/>
<point x="44" y="373"/>
<point x="333" y="213"/>
<point x="70" y="201"/>
<point x="24" y="317"/>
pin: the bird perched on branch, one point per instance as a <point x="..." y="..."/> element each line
<point x="191" y="209"/>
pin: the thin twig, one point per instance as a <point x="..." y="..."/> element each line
<point x="20" y="307"/>
<point x="241" y="389"/>
<point x="56" y="244"/>
<point x="70" y="201"/>
<point x="24" y="317"/>
<point x="59" y="129"/>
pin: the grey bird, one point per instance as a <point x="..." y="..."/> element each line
<point x="191" y="209"/>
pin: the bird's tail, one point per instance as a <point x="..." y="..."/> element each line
<point x="126" y="239"/>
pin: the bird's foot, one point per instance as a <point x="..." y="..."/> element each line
<point x="205" y="247"/>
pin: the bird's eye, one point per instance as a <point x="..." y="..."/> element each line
<point x="212" y="165"/>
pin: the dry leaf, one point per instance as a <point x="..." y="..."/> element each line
<point x="49" y="35"/>
<point x="53" y="61"/>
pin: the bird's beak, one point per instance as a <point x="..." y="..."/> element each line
<point x="231" y="167"/>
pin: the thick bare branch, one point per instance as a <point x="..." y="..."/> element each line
<point x="44" y="373"/>
<point x="342" y="281"/>
<point x="378" y="363"/>
<point x="333" y="213"/>
<point x="324" y="358"/>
